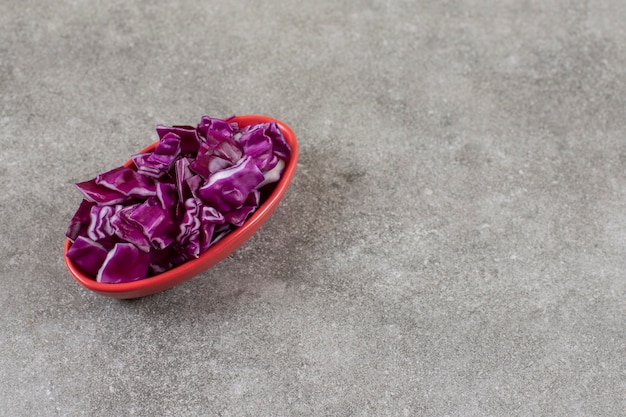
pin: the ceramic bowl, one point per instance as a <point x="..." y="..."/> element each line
<point x="218" y="251"/>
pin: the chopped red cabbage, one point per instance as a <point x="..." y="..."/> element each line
<point x="128" y="182"/>
<point x="189" y="139"/>
<point x="208" y="161"/>
<point x="87" y="254"/>
<point x="221" y="231"/>
<point x="194" y="183"/>
<point x="124" y="263"/>
<point x="183" y="173"/>
<point x="254" y="198"/>
<point x="273" y="174"/>
<point x="215" y="129"/>
<point x="238" y="216"/>
<point x="80" y="222"/>
<point x="100" y="226"/>
<point x="129" y="231"/>
<point x="155" y="222"/>
<point x="280" y="147"/>
<point x="210" y="214"/>
<point x="188" y="193"/>
<point x="228" y="189"/>
<point x="159" y="162"/>
<point x="258" y="146"/>
<point x="209" y="219"/>
<point x="167" y="195"/>
<point x="100" y="194"/>
<point x="189" y="228"/>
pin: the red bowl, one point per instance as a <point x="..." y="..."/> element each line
<point x="218" y="251"/>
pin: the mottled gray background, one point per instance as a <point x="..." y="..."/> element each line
<point x="453" y="242"/>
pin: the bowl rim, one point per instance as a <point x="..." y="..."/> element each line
<point x="216" y="252"/>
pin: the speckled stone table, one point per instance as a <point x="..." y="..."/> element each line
<point x="453" y="242"/>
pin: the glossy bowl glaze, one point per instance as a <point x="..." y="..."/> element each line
<point x="218" y="251"/>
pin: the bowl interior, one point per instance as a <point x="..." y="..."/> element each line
<point x="217" y="251"/>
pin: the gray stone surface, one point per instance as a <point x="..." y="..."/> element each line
<point x="453" y="242"/>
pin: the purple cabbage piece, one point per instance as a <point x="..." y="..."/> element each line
<point x="258" y="146"/>
<point x="196" y="229"/>
<point x="209" y="218"/>
<point x="161" y="160"/>
<point x="167" y="195"/>
<point x="162" y="260"/>
<point x="221" y="231"/>
<point x="208" y="162"/>
<point x="206" y="235"/>
<point x="238" y="217"/>
<point x="209" y="214"/>
<point x="219" y="150"/>
<point x="280" y="147"/>
<point x="124" y="263"/>
<point x="215" y="155"/>
<point x="189" y="229"/>
<point x="80" y="221"/>
<point x="189" y="138"/>
<point x="274" y="174"/>
<point x="194" y="183"/>
<point x="128" y="182"/>
<point x="155" y="222"/>
<point x="182" y="173"/>
<point x="100" y="226"/>
<point x="127" y="230"/>
<point x="227" y="150"/>
<point x="228" y="189"/>
<point x="87" y="255"/>
<point x="140" y="160"/>
<point x="254" y="198"/>
<point x="215" y="129"/>
<point x="100" y="194"/>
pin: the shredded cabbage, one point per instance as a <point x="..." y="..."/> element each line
<point x="196" y="186"/>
